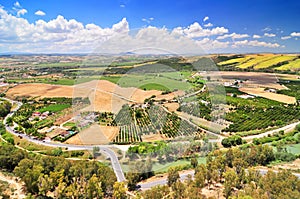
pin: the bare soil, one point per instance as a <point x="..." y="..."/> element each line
<point x="152" y="137"/>
<point x="172" y="107"/>
<point x="269" y="95"/>
<point x="93" y="135"/>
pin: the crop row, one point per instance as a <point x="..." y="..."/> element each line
<point x="154" y="120"/>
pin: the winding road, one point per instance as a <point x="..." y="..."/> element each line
<point x="103" y="148"/>
<point x="111" y="154"/>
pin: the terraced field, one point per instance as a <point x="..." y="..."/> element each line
<point x="279" y="62"/>
<point x="292" y="65"/>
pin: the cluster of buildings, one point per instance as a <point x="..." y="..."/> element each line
<point x="39" y="115"/>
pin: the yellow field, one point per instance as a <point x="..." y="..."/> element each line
<point x="273" y="96"/>
<point x="293" y="65"/>
<point x="263" y="61"/>
<point x="233" y="61"/>
<point x="255" y="60"/>
<point x="274" y="61"/>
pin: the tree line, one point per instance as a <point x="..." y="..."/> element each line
<point x="233" y="169"/>
<point x="61" y="177"/>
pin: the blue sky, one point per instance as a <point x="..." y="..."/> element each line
<point x="223" y="26"/>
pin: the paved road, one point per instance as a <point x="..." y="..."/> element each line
<point x="164" y="181"/>
<point x="286" y="128"/>
<point x="103" y="148"/>
<point x="110" y="153"/>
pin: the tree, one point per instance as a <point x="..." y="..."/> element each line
<point x="230" y="182"/>
<point x="156" y="192"/>
<point x="94" y="189"/>
<point x="96" y="151"/>
<point x="194" y="162"/>
<point x="44" y="184"/>
<point x="132" y="180"/>
<point x="229" y="158"/>
<point x="173" y="176"/>
<point x="179" y="190"/>
<point x="119" y="190"/>
<point x="200" y="178"/>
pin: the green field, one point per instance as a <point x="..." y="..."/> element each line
<point x="70" y="124"/>
<point x="54" y="108"/>
<point x="163" y="168"/>
<point x="293" y="148"/>
<point x="114" y="79"/>
<point x="150" y="81"/>
<point x="68" y="82"/>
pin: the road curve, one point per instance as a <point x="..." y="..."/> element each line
<point x="103" y="148"/>
<point x="271" y="132"/>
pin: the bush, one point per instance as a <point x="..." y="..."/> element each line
<point x="232" y="141"/>
<point x="284" y="156"/>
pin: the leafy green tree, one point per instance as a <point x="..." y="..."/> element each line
<point x="200" y="178"/>
<point x="44" y="184"/>
<point x="194" y="162"/>
<point x="179" y="190"/>
<point x="93" y="188"/>
<point x="119" y="190"/>
<point x="173" y="176"/>
<point x="96" y="151"/>
<point x="156" y="192"/>
<point x="230" y="182"/>
<point x="132" y="180"/>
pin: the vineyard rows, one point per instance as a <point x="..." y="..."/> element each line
<point x="154" y="120"/>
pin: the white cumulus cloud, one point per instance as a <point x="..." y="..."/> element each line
<point x="40" y="13"/>
<point x="256" y="43"/>
<point x="209" y="44"/>
<point x="208" y="25"/>
<point x="205" y="18"/>
<point x="286" y="37"/>
<point x="62" y="35"/>
<point x="269" y="35"/>
<point x="195" y="30"/>
<point x="256" y="36"/>
<point x="21" y="12"/>
<point x="295" y="34"/>
<point x="17" y="4"/>
<point x="233" y="36"/>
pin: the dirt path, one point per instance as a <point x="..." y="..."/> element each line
<point x="18" y="193"/>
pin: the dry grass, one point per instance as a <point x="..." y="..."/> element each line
<point x="40" y="90"/>
<point x="170" y="96"/>
<point x="172" y="106"/>
<point x="103" y="95"/>
<point x="110" y="132"/>
<point x="152" y="137"/>
<point x="288" y="77"/>
<point x="273" y="96"/>
<point x="93" y="135"/>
